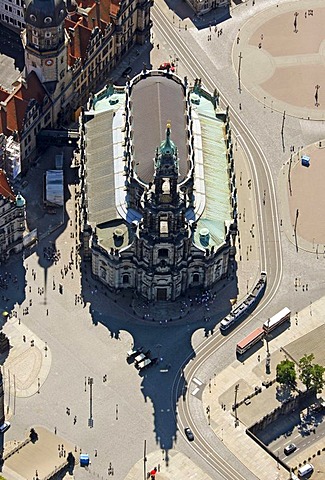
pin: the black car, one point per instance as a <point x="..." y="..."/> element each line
<point x="126" y="72"/>
<point x="189" y="434"/>
<point x="290" y="448"/>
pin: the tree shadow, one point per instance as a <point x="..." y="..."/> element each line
<point x="283" y="393"/>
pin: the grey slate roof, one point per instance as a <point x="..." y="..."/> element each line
<point x="155" y="101"/>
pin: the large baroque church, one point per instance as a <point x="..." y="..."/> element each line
<point x="159" y="197"/>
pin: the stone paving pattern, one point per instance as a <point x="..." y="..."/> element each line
<point x="247" y="374"/>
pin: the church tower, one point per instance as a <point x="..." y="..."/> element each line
<point x="166" y="171"/>
<point x="164" y="207"/>
<point x="46" y="43"/>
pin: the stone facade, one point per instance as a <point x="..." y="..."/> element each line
<point x="12" y="14"/>
<point x="12" y="220"/>
<point x="204" y="6"/>
<point x="152" y="249"/>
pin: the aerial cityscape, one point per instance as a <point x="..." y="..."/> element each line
<point x="162" y="253"/>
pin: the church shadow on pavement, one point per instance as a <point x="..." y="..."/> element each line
<point x="168" y="343"/>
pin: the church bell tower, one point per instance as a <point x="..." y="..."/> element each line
<point x="46" y="43"/>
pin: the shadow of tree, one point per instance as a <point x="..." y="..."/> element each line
<point x="283" y="393"/>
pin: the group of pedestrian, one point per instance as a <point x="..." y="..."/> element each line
<point x="51" y="254"/>
<point x="61" y="450"/>
<point x="4" y="280"/>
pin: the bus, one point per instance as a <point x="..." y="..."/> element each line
<point x="250" y="302"/>
<point x="277" y="320"/>
<point x="250" y="340"/>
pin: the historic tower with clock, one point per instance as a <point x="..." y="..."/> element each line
<point x="46" y="44"/>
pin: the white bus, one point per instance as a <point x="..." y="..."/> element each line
<point x="250" y="340"/>
<point x="277" y="320"/>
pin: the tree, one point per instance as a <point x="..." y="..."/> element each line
<point x="286" y="373"/>
<point x="311" y="374"/>
<point x="318" y="377"/>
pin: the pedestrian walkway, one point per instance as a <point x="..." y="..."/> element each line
<point x="302" y="199"/>
<point x="179" y="467"/>
<point x="247" y="375"/>
<point x="40" y="458"/>
<point x="276" y="47"/>
<point x="29" y="361"/>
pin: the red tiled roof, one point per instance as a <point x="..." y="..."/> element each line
<point x="83" y="24"/>
<point x="79" y="39"/>
<point x="114" y="7"/>
<point x="5" y="188"/>
<point x="13" y="114"/>
<point x="3" y="94"/>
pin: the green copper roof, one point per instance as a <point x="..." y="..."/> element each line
<point x="20" y="201"/>
<point x="167" y="146"/>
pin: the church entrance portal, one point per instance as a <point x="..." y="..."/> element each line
<point x="161" y="294"/>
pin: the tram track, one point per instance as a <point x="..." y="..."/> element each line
<point x="269" y="238"/>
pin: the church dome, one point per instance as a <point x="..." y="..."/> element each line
<point x="20" y="201"/>
<point x="45" y="13"/>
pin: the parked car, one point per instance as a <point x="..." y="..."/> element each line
<point x="167" y="66"/>
<point x="139" y="358"/>
<point x="144" y="364"/>
<point x="4" y="427"/>
<point x="133" y="353"/>
<point x="290" y="448"/>
<point x="189" y="434"/>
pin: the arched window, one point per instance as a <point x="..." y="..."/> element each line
<point x="126" y="279"/>
<point x="196" y="278"/>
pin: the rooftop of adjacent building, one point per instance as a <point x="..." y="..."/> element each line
<point x="5" y="188"/>
<point x="17" y="102"/>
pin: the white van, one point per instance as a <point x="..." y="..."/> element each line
<point x="305" y="470"/>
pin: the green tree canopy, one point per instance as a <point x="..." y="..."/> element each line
<point x="306" y="368"/>
<point x="311" y="374"/>
<point x="318" y="377"/>
<point x="286" y="373"/>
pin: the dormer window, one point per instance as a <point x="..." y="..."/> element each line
<point x="47" y="20"/>
<point x="32" y="17"/>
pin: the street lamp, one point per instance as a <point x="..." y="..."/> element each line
<point x="295" y="22"/>
<point x="145" y="460"/>
<point x="90" y="420"/>
<point x="317" y="87"/>
<point x="239" y="71"/>
<point x="268" y="355"/>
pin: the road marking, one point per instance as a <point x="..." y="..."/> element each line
<point x="195" y="391"/>
<point x="198" y="382"/>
